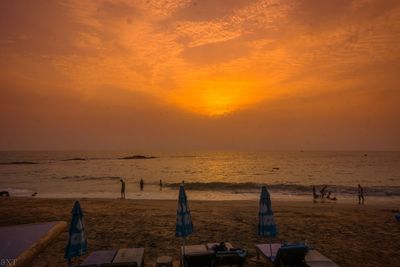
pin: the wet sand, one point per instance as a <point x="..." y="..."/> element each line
<point x="349" y="234"/>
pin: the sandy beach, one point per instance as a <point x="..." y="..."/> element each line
<point x="349" y="234"/>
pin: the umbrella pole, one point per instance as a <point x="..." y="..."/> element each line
<point x="183" y="256"/>
<point x="184" y="241"/>
<point x="270" y="245"/>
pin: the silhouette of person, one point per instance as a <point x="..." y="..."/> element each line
<point x="315" y="195"/>
<point x="122" y="188"/>
<point x="360" y="195"/>
<point x="323" y="191"/>
<point x="160" y="184"/>
<point x="141" y="184"/>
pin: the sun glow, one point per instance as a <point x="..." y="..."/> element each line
<point x="216" y="97"/>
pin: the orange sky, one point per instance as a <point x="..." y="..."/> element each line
<point x="206" y="74"/>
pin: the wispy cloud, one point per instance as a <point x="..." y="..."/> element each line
<point x="209" y="57"/>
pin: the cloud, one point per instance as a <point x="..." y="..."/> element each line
<point x="43" y="27"/>
<point x="217" y="52"/>
<point x="208" y="10"/>
<point x="117" y="10"/>
<point x="198" y="59"/>
<point x="315" y="14"/>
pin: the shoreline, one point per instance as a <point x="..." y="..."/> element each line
<point x="370" y="201"/>
<point x="194" y="195"/>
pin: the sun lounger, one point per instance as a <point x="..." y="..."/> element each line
<point x="290" y="255"/>
<point x="205" y="255"/>
<point x="316" y="259"/>
<point x="21" y="243"/>
<point x="197" y="256"/>
<point x="297" y="255"/>
<point x="230" y="256"/>
<point x="193" y="249"/>
<point x="125" y="257"/>
<point x="199" y="260"/>
<point x="98" y="257"/>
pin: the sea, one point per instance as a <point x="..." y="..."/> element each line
<point x="288" y="175"/>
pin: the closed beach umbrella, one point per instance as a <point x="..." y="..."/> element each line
<point x="184" y="226"/>
<point x="266" y="222"/>
<point x="77" y="242"/>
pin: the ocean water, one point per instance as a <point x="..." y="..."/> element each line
<point x="207" y="176"/>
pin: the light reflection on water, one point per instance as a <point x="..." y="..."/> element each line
<point x="286" y="172"/>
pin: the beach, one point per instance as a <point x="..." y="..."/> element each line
<point x="349" y="234"/>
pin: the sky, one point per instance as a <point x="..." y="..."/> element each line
<point x="179" y="75"/>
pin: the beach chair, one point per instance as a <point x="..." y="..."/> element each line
<point x="292" y="255"/>
<point x="20" y="244"/>
<point x="312" y="257"/>
<point x="231" y="257"/>
<point x="98" y="257"/>
<point x="316" y="259"/>
<point x="206" y="259"/>
<point x="125" y="257"/>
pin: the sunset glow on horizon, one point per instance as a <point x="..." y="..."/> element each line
<point x="282" y="69"/>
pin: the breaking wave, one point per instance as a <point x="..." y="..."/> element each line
<point x="296" y="189"/>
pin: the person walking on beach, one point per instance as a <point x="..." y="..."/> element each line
<point x="160" y="184"/>
<point x="141" y="184"/>
<point x="122" y="188"/>
<point x="360" y="195"/>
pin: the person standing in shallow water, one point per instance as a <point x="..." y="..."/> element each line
<point x="160" y="184"/>
<point x="122" y="188"/>
<point x="315" y="195"/>
<point x="141" y="184"/>
<point x="360" y="195"/>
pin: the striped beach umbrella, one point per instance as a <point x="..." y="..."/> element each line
<point x="266" y="222"/>
<point x="77" y="242"/>
<point x="184" y="226"/>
